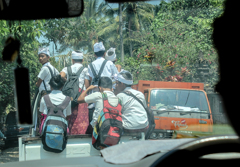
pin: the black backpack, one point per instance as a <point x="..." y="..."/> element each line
<point x="52" y="74"/>
<point x="150" y="115"/>
<point x="54" y="130"/>
<point x="71" y="87"/>
<point x="97" y="77"/>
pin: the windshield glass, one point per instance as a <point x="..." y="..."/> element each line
<point x="161" y="43"/>
<point x="178" y="100"/>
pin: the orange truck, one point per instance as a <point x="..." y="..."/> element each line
<point x="177" y="106"/>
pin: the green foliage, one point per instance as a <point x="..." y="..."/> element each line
<point x="179" y="37"/>
<point x="26" y="32"/>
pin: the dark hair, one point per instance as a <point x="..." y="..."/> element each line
<point x="127" y="75"/>
<point x="56" y="82"/>
<point x="78" y="60"/>
<point x="100" y="53"/>
<point x="105" y="82"/>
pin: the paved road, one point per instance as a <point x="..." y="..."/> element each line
<point x="9" y="155"/>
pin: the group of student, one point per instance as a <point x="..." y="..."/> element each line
<point x="101" y="79"/>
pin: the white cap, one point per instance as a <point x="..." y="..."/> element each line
<point x="76" y="55"/>
<point x="123" y="80"/>
<point x="44" y="51"/>
<point x="111" y="57"/>
<point x="98" y="47"/>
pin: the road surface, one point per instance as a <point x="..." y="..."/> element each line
<point x="9" y="155"/>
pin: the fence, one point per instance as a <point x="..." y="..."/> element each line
<point x="217" y="108"/>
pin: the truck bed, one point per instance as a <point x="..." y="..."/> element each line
<point x="30" y="148"/>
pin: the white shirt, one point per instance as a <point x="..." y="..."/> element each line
<point x="108" y="71"/>
<point x="97" y="99"/>
<point x="56" y="97"/>
<point x="134" y="115"/>
<point x="45" y="75"/>
<point x="84" y="75"/>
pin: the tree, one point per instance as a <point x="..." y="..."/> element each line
<point x="26" y="32"/>
<point x="180" y="36"/>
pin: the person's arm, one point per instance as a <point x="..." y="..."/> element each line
<point x="86" y="83"/>
<point x="118" y="67"/>
<point x="41" y="76"/>
<point x="38" y="83"/>
<point x="63" y="75"/>
<point x="82" y="96"/>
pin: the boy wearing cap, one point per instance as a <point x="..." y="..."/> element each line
<point x="134" y="116"/>
<point x="44" y="77"/>
<point x="111" y="55"/>
<point x="105" y="86"/>
<point x="78" y="121"/>
<point x="109" y="70"/>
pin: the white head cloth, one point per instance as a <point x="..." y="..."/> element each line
<point x="111" y="57"/>
<point x="120" y="78"/>
<point x="98" y="47"/>
<point x="44" y="51"/>
<point x="76" y="55"/>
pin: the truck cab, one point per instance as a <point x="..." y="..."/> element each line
<point x="177" y="106"/>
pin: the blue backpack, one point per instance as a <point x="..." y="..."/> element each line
<point x="54" y="131"/>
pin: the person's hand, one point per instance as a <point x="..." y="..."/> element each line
<point x="118" y="67"/>
<point x="91" y="87"/>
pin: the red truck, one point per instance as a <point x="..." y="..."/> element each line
<point x="177" y="106"/>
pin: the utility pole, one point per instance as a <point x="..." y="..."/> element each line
<point x="120" y="30"/>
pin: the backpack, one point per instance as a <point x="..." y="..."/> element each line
<point x="54" y="131"/>
<point x="97" y="77"/>
<point x="49" y="91"/>
<point x="108" y="129"/>
<point x="71" y="87"/>
<point x="150" y="115"/>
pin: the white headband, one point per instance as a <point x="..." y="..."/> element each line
<point x="113" y="56"/>
<point x="44" y="51"/>
<point x="76" y="55"/>
<point x="98" y="47"/>
<point x="123" y="80"/>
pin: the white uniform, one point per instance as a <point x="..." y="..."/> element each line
<point x="45" y="75"/>
<point x="84" y="75"/>
<point x="108" y="71"/>
<point x="56" y="97"/>
<point x="134" y="115"/>
<point x="97" y="98"/>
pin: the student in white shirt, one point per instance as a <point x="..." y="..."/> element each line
<point x="78" y="122"/>
<point x="134" y="116"/>
<point x="105" y="86"/>
<point x="109" y="70"/>
<point x="111" y="56"/>
<point x="56" y="98"/>
<point x="44" y="75"/>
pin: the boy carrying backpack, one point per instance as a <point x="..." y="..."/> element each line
<point x="77" y="82"/>
<point x="97" y="69"/>
<point x="107" y="116"/>
<point x="55" y="108"/>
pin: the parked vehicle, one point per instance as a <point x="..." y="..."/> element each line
<point x="177" y="106"/>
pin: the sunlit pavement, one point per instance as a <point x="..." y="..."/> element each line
<point x="9" y="155"/>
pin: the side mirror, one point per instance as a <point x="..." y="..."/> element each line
<point x="40" y="9"/>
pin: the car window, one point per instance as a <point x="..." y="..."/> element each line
<point x="161" y="43"/>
